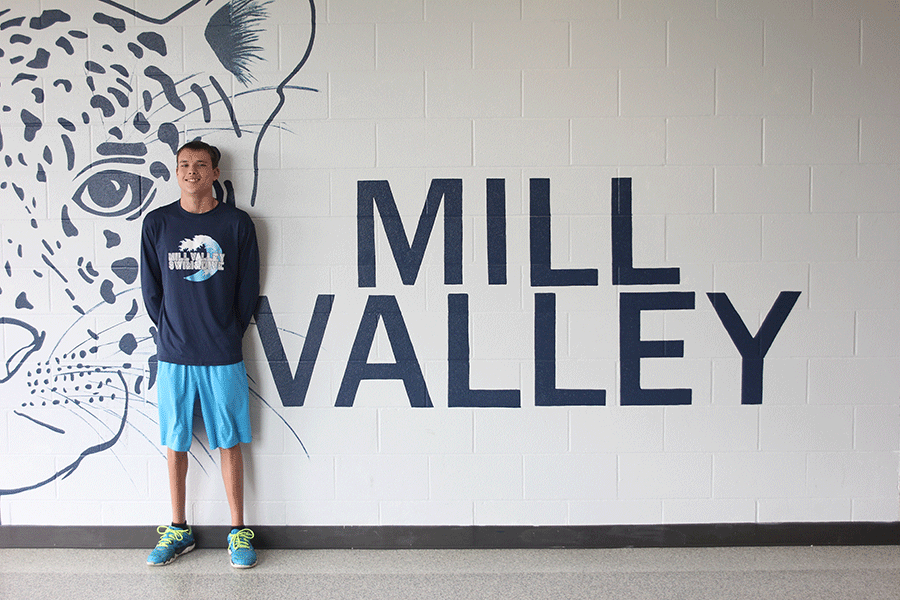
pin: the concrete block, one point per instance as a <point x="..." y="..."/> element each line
<point x="476" y="477"/>
<point x="798" y="140"/>
<point x="832" y="43"/>
<point x="667" y="92"/>
<point x="852" y="475"/>
<point x="521" y="513"/>
<point x="331" y="512"/>
<point x="426" y="513"/>
<point x="616" y="43"/>
<point x="424" y="46"/>
<point x="343" y="47"/>
<point x="521" y="45"/>
<point x="425" y="432"/>
<point x="425" y="143"/>
<point x="762" y="189"/>
<point x="879" y="139"/>
<point x="730" y="238"/>
<point x="617" y="429"/>
<point x="381" y="477"/>
<point x="522" y="432"/>
<point x="714" y="141"/>
<point x="665" y="476"/>
<point x="834" y="335"/>
<point x="347" y="144"/>
<point x="576" y="10"/>
<point x="616" y="512"/>
<point x="741" y="475"/>
<point x="860" y="381"/>
<point x="763" y="91"/>
<point x="712" y="429"/>
<point x="764" y="9"/>
<point x="668" y="9"/>
<point x="715" y="42"/>
<point x="855" y="189"/>
<point x="877" y="332"/>
<point x="861" y="285"/>
<point x="474" y="94"/>
<point x="289" y="477"/>
<point x="377" y="94"/>
<point x="619" y="141"/>
<point x="576" y="93"/>
<point x="798" y="238"/>
<point x="709" y="511"/>
<point x="447" y="11"/>
<point x="532" y="143"/>
<point x="783" y="510"/>
<point x="384" y="11"/>
<point x="574" y="477"/>
<point x="854" y="91"/>
<point x="875" y="509"/>
<point x="805" y="428"/>
<point x="875" y="428"/>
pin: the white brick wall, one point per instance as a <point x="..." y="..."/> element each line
<point x="762" y="140"/>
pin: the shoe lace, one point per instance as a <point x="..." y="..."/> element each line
<point x="241" y="539"/>
<point x="169" y="535"/>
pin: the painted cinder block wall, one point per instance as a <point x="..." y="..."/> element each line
<point x="760" y="141"/>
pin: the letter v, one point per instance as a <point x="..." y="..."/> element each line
<point x="753" y="349"/>
<point x="292" y="388"/>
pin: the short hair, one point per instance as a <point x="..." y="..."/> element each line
<point x="213" y="152"/>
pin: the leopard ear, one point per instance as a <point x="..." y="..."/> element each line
<point x="256" y="39"/>
<point x="158" y="19"/>
<point x="244" y="34"/>
<point x="234" y="32"/>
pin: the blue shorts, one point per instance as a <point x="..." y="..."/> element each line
<point x="224" y="403"/>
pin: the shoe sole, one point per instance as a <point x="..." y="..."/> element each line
<point x="174" y="556"/>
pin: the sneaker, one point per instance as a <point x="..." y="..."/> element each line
<point x="243" y="556"/>
<point x="173" y="543"/>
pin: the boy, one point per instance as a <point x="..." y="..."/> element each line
<point x="200" y="283"/>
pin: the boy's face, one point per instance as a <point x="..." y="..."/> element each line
<point x="195" y="173"/>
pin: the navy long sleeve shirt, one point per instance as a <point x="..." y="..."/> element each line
<point x="200" y="282"/>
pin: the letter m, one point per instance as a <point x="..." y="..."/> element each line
<point x="408" y="256"/>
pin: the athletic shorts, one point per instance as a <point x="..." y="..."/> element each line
<point x="224" y="403"/>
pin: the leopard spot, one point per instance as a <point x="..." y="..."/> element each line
<point x="117" y="24"/>
<point x="113" y="239"/>
<point x="126" y="269"/>
<point x="106" y="292"/>
<point x="128" y="344"/>
<point x="49" y="18"/>
<point x="22" y="302"/>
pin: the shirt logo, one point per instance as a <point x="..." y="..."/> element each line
<point x="201" y="254"/>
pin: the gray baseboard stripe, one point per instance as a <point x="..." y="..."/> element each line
<point x="474" y="537"/>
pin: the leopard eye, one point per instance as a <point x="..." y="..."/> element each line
<point x="115" y="194"/>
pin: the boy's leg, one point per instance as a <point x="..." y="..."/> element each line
<point x="239" y="547"/>
<point x="178" y="466"/>
<point x="177" y="539"/>
<point x="233" y="476"/>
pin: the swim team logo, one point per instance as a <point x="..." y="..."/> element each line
<point x="201" y="254"/>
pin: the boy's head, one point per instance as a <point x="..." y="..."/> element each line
<point x="213" y="152"/>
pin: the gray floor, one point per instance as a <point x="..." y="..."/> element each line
<point x="847" y="573"/>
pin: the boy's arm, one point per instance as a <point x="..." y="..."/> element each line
<point x="247" y="293"/>
<point x="151" y="274"/>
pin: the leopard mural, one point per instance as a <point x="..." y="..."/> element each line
<point x="94" y="102"/>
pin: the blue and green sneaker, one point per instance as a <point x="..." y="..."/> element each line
<point x="173" y="543"/>
<point x="243" y="556"/>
